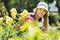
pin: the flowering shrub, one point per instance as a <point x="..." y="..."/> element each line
<point x="1" y="20"/>
<point x="16" y="28"/>
<point x="13" y="12"/>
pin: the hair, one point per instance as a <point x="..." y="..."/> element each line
<point x="35" y="16"/>
<point x="45" y="17"/>
<point x="46" y="21"/>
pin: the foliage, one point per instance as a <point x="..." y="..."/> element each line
<point x="16" y="28"/>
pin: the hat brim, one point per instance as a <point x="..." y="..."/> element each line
<point x="41" y="7"/>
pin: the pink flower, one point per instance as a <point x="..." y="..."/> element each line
<point x="28" y="17"/>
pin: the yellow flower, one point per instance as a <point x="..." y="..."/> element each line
<point x="9" y="20"/>
<point x="25" y="26"/>
<point x="1" y="29"/>
<point x="58" y="34"/>
<point x="18" y="38"/>
<point x="13" y="12"/>
<point x="29" y="37"/>
<point x="24" y="13"/>
<point x="37" y="31"/>
<point x="1" y="20"/>
<point x="11" y="38"/>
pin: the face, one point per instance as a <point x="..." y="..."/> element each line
<point x="41" y="12"/>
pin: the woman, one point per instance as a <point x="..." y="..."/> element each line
<point x="42" y="11"/>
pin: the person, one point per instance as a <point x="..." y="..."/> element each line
<point x="40" y="12"/>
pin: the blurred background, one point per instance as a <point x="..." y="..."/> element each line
<point x="20" y="5"/>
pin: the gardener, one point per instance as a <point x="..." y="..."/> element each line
<point x="41" y="11"/>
